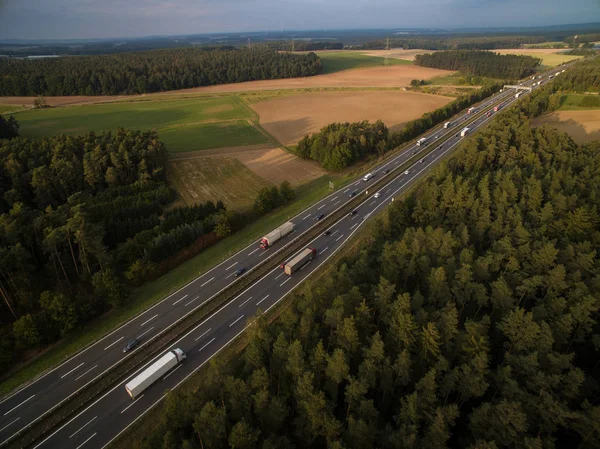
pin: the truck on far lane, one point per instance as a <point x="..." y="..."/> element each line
<point x="470" y="110"/>
<point x="300" y="260"/>
<point x="162" y="366"/>
<point x="421" y="141"/>
<point x="277" y="234"/>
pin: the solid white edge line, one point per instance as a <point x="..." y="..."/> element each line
<point x="236" y="321"/>
<point x="81" y="428"/>
<point x="95" y="366"/>
<point x="131" y="405"/>
<point x="78" y="447"/>
<point x="78" y="366"/>
<point x="114" y="343"/>
<point x="148" y="320"/>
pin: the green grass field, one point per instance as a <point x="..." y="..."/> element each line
<point x="207" y="178"/>
<point x="4" y="108"/>
<point x="345" y="60"/>
<point x="184" y="125"/>
<point x="210" y="135"/>
<point x="572" y="102"/>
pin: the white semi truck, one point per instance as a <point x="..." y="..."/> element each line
<point x="299" y="261"/>
<point x="279" y="233"/>
<point x="154" y="372"/>
<point x="470" y="110"/>
<point x="421" y="141"/>
<point x="464" y="132"/>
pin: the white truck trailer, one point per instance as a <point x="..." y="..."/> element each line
<point x="518" y="94"/>
<point x="279" y="233"/>
<point x="299" y="261"/>
<point x="421" y="141"/>
<point x="464" y="132"/>
<point x="154" y="372"/>
<point x="470" y="110"/>
<point x="447" y="125"/>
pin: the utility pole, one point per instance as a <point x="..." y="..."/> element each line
<point x="249" y="44"/>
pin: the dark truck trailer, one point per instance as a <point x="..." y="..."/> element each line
<point x="300" y="260"/>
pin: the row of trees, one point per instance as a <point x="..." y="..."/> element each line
<point x="150" y="71"/>
<point x="304" y="46"/>
<point x="455" y="43"/>
<point x="270" y="198"/>
<point x="340" y="145"/>
<point x="467" y="318"/>
<point x="9" y="127"/>
<point x="481" y="63"/>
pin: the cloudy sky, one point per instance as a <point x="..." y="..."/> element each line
<point x="67" y="19"/>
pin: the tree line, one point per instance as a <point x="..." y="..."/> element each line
<point x="9" y="127"/>
<point x="481" y="63"/>
<point x="455" y="43"/>
<point x="339" y="145"/>
<point x="149" y="71"/>
<point x="466" y="318"/>
<point x="74" y="212"/>
<point x="304" y="46"/>
<point x="582" y="77"/>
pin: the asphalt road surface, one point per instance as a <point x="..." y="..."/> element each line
<point x="104" y="419"/>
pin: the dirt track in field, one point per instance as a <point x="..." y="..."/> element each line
<point x="582" y="126"/>
<point x="289" y="119"/>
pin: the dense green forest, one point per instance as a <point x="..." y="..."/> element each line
<point x="304" y="45"/>
<point x="466" y="318"/>
<point x="481" y="63"/>
<point x="9" y="127"/>
<point x="151" y="71"/>
<point x="456" y="43"/>
<point x="582" y="77"/>
<point x="339" y="145"/>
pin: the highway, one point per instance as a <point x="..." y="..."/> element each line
<point x="104" y="419"/>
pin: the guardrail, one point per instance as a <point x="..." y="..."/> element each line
<point x="122" y="369"/>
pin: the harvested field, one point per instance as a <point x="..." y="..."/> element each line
<point x="582" y="126"/>
<point x="550" y="56"/>
<point x="289" y="119"/>
<point x="59" y="101"/>
<point x="272" y="164"/>
<point x="222" y="178"/>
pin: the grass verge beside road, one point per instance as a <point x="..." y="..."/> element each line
<point x="154" y="291"/>
<point x="573" y="102"/>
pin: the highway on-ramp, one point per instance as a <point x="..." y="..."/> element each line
<point x="113" y="412"/>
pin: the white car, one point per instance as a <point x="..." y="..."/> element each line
<point x="406" y="172"/>
<point x="377" y="195"/>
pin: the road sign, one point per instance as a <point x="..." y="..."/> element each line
<point x="331" y="185"/>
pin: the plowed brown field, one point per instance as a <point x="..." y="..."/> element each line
<point x="582" y="126"/>
<point x="289" y="119"/>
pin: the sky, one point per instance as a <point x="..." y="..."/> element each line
<point x="84" y="19"/>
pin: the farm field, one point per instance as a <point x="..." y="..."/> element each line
<point x="212" y="178"/>
<point x="7" y="108"/>
<point x="397" y="53"/>
<point x="336" y="61"/>
<point x="550" y="56"/>
<point x="184" y="125"/>
<point x="289" y="119"/>
<point x="582" y="126"/>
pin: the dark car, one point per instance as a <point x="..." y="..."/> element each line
<point x="353" y="212"/>
<point x="351" y="194"/>
<point x="327" y="233"/>
<point x="240" y="272"/>
<point x="131" y="344"/>
<point x="414" y="152"/>
<point x="319" y="217"/>
<point x="386" y="171"/>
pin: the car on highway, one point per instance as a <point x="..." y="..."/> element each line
<point x="414" y="152"/>
<point x="421" y="161"/>
<point x="488" y="114"/>
<point x="282" y="265"/>
<point x="319" y="217"/>
<point x="327" y="233"/>
<point x="351" y="194"/>
<point x="131" y="344"/>
<point x="386" y="171"/>
<point x="377" y="195"/>
<point x="240" y="271"/>
<point x="354" y="212"/>
<point x="406" y="172"/>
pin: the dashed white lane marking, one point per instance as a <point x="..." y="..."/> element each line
<point x="78" y="366"/>
<point x="236" y="321"/>
<point x="131" y="405"/>
<point x="180" y="299"/>
<point x="203" y="334"/>
<point x="114" y="343"/>
<point x="208" y="343"/>
<point x="206" y="282"/>
<point x="148" y="320"/>
<point x="78" y="447"/>
<point x="231" y="266"/>
<point x="262" y="300"/>
<point x="82" y="427"/>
